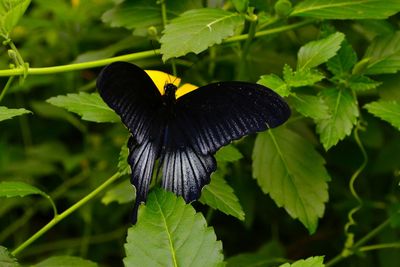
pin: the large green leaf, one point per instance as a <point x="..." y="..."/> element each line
<point x="384" y="54"/>
<point x="219" y="195"/>
<point x="290" y="170"/>
<point x="196" y="30"/>
<point x="317" y="261"/>
<point x="309" y="106"/>
<point x="145" y="13"/>
<point x="10" y="12"/>
<point x="8" y="113"/>
<point x="65" y="261"/>
<point x="386" y="110"/>
<point x="90" y="106"/>
<point x="315" y="53"/>
<point x="171" y="233"/>
<point x="347" y="9"/>
<point x="343" y="113"/>
<point x="6" y="259"/>
<point x="268" y="255"/>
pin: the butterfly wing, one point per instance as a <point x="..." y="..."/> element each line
<point x="129" y="91"/>
<point x="207" y="119"/>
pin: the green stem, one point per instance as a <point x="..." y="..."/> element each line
<point x="246" y="48"/>
<point x="136" y="56"/>
<point x="380" y="246"/>
<point x="165" y="22"/>
<point x="8" y="84"/>
<point x="80" y="66"/>
<point x="67" y="212"/>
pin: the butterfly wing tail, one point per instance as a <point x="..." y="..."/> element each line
<point x="141" y="159"/>
<point x="185" y="172"/>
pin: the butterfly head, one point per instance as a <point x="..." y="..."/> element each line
<point x="170" y="90"/>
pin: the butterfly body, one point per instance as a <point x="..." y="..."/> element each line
<point x="184" y="133"/>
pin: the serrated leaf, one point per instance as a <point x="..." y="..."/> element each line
<point x="362" y="83"/>
<point x="301" y="77"/>
<point x="343" y="61"/>
<point x="275" y="83"/>
<point x="228" y="154"/>
<point x="267" y="256"/>
<point x="290" y="170"/>
<point x="8" y="113"/>
<point x="168" y="232"/>
<point x="89" y="106"/>
<point x="343" y="113"/>
<point x="18" y="189"/>
<point x="219" y="195"/>
<point x="121" y="193"/>
<point x="386" y="110"/>
<point x="10" y="13"/>
<point x="317" y="261"/>
<point x="65" y="261"/>
<point x="384" y="54"/>
<point x="310" y="106"/>
<point x="196" y="30"/>
<point x="347" y="9"/>
<point x="144" y="13"/>
<point x="123" y="166"/>
<point x="6" y="259"/>
<point x="315" y="53"/>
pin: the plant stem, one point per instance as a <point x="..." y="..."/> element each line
<point x="136" y="56"/>
<point x="246" y="48"/>
<point x="67" y="212"/>
<point x="8" y="84"/>
<point x="165" y="22"/>
<point x="380" y="246"/>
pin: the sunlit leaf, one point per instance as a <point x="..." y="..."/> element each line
<point x="89" y="106"/>
<point x="310" y="106"/>
<point x="301" y="77"/>
<point x="343" y="113"/>
<point x="228" y="154"/>
<point x="196" y="30"/>
<point x="10" y="13"/>
<point x="315" y="53"/>
<point x="291" y="171"/>
<point x="347" y="9"/>
<point x="219" y="195"/>
<point x="18" y="189"/>
<point x="384" y="54"/>
<point x="386" y="110"/>
<point x="8" y="113"/>
<point x="275" y="83"/>
<point x="65" y="261"/>
<point x="168" y="232"/>
<point x="317" y="261"/>
<point x="362" y="83"/>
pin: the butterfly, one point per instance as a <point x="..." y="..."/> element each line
<point x="183" y="133"/>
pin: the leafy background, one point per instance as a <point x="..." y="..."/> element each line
<point x="322" y="190"/>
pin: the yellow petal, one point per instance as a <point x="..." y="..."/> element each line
<point x="160" y="79"/>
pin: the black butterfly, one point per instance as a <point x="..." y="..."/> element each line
<point x="184" y="133"/>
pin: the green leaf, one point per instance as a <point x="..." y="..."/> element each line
<point x="267" y="256"/>
<point x="219" y="195"/>
<point x="89" y="106"/>
<point x="196" y="30"/>
<point x="384" y="54"/>
<point x="241" y="5"/>
<point x="317" y="261"/>
<point x="144" y="13"/>
<point x="317" y="52"/>
<point x="121" y="193"/>
<point x="343" y="113"/>
<point x="228" y="154"/>
<point x="18" y="189"/>
<point x="10" y="13"/>
<point x="301" y="77"/>
<point x="6" y="259"/>
<point x="171" y="233"/>
<point x="347" y="9"/>
<point x="290" y="170"/>
<point x="275" y="83"/>
<point x="8" y="113"/>
<point x="310" y="106"/>
<point x="123" y="166"/>
<point x="343" y="61"/>
<point x="386" y="110"/>
<point x="362" y="83"/>
<point x="65" y="261"/>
